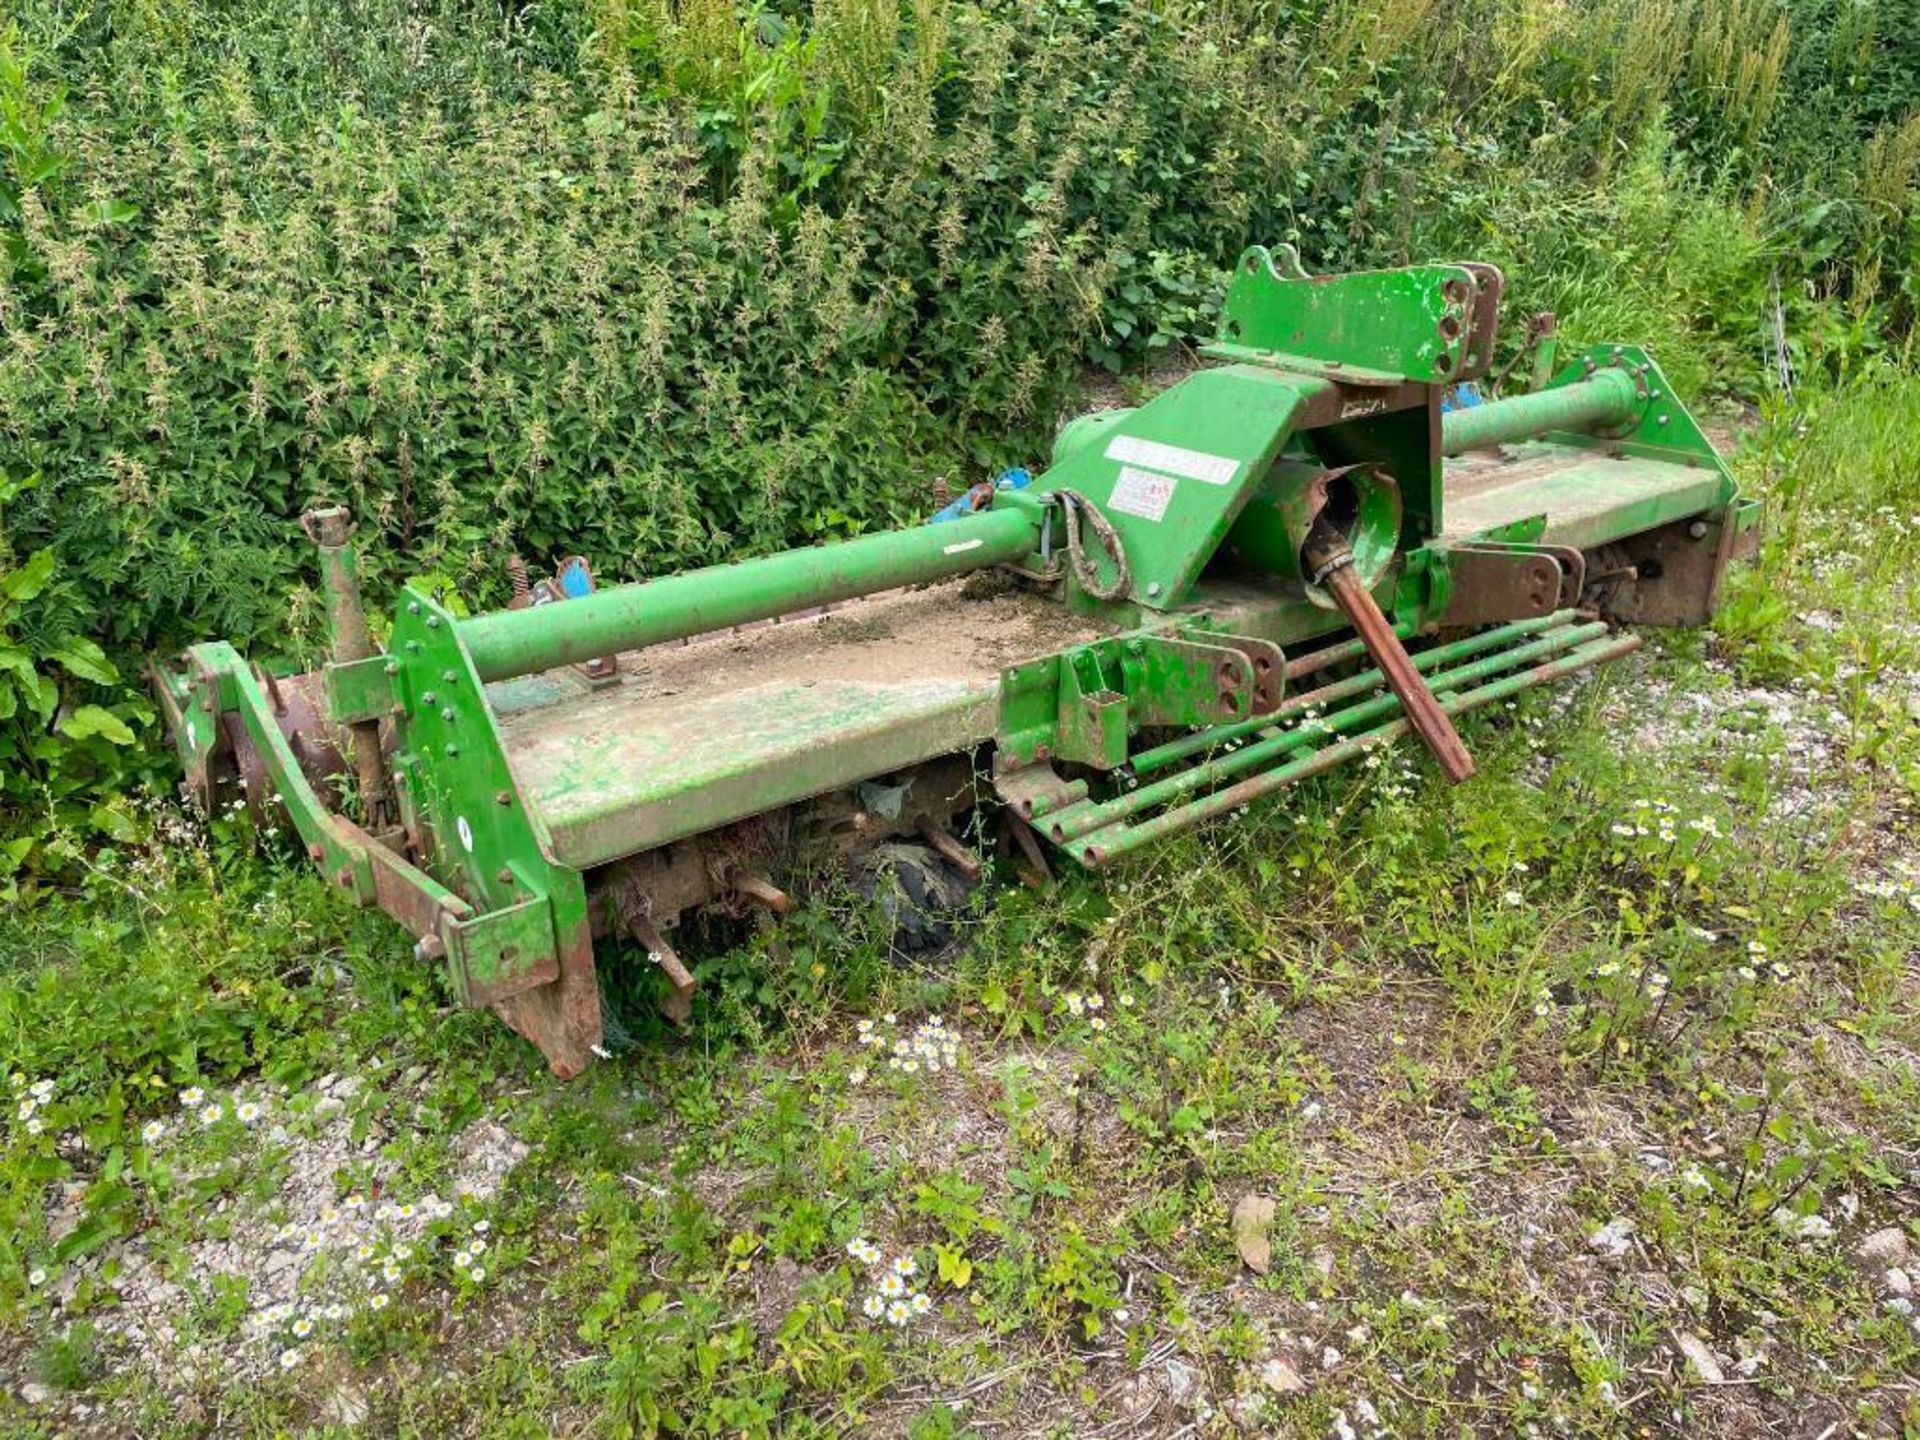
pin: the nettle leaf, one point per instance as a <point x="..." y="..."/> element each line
<point x="107" y="212"/>
<point x="91" y="720"/>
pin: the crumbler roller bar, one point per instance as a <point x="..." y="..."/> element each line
<point x="1320" y="543"/>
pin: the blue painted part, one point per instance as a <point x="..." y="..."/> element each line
<point x="1017" y="478"/>
<point x="575" y="579"/>
<point x="1463" y="396"/>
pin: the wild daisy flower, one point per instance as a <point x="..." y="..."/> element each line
<point x="477" y="1244"/>
<point x="462" y="1259"/>
<point x="290" y="1357"/>
<point x="865" y="1251"/>
<point x="904" y="1266"/>
<point x="152" y="1131"/>
<point x="480" y="1227"/>
<point x="920" y="1304"/>
<point x="405" y="1211"/>
<point x="40" y="1089"/>
<point x="899" y="1312"/>
<point x="403" y="1252"/>
<point x="379" y="1302"/>
<point x="191" y="1097"/>
<point x="857" y="1075"/>
<point x="874" y="1307"/>
<point x="892" y="1286"/>
<point x="303" y="1327"/>
<point x="248" y="1112"/>
<point x="477" y="1274"/>
<point x="36" y="1277"/>
<point x="210" y="1114"/>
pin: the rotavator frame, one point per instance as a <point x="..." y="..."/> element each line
<point x="1200" y="601"/>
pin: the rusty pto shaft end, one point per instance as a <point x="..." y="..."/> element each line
<point x="1329" y="564"/>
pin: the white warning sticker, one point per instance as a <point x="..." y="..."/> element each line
<point x="1142" y="493"/>
<point x="962" y="547"/>
<point x="1194" y="464"/>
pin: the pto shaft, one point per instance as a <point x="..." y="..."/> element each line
<point x="1331" y="564"/>
<point x="1605" y="399"/>
<point x="505" y="643"/>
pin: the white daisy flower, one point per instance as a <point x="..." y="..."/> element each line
<point x="874" y="1307"/>
<point x="904" y="1266"/>
<point x="152" y="1131"/>
<point x="892" y="1286"/>
<point x="290" y="1357"/>
<point x="36" y="1277"/>
<point x="899" y="1312"/>
<point x="303" y="1327"/>
<point x="191" y="1097"/>
<point x="379" y="1302"/>
<point x="477" y="1274"/>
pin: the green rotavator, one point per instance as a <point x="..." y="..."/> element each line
<point x="1202" y="600"/>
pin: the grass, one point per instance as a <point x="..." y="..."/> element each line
<point x="1609" y="1053"/>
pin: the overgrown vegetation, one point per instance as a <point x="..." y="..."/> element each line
<point x="664" y="283"/>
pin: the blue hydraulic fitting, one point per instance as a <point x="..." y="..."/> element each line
<point x="981" y="495"/>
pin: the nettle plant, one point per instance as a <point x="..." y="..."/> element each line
<point x="60" y="746"/>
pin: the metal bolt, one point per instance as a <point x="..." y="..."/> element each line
<point x="1043" y="752"/>
<point x="1698" y="530"/>
<point x="504" y="876"/>
<point x="429" y="698"/>
<point x="413" y="607"/>
<point x="433" y="622"/>
<point x="1153" y="588"/>
<point x="505" y="797"/>
<point x="448" y="676"/>
<point x="413" y="647"/>
<point x="393" y="667"/>
<point x="399" y="712"/>
<point x="316" y="851"/>
<point x="1659" y="419"/>
<point x="453" y="749"/>
<point x="446" y="712"/>
<point x="429" y="948"/>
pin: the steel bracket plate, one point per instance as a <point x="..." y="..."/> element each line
<point x="502" y="952"/>
<point x="1432" y="323"/>
<point x="1084" y="704"/>
<point x="359" y="690"/>
<point x="1486" y="582"/>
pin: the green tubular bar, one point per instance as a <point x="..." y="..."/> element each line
<point x="1089" y="816"/>
<point x="1162" y="756"/>
<point x="1096" y="849"/>
<point x="506" y="643"/>
<point x="1608" y="398"/>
